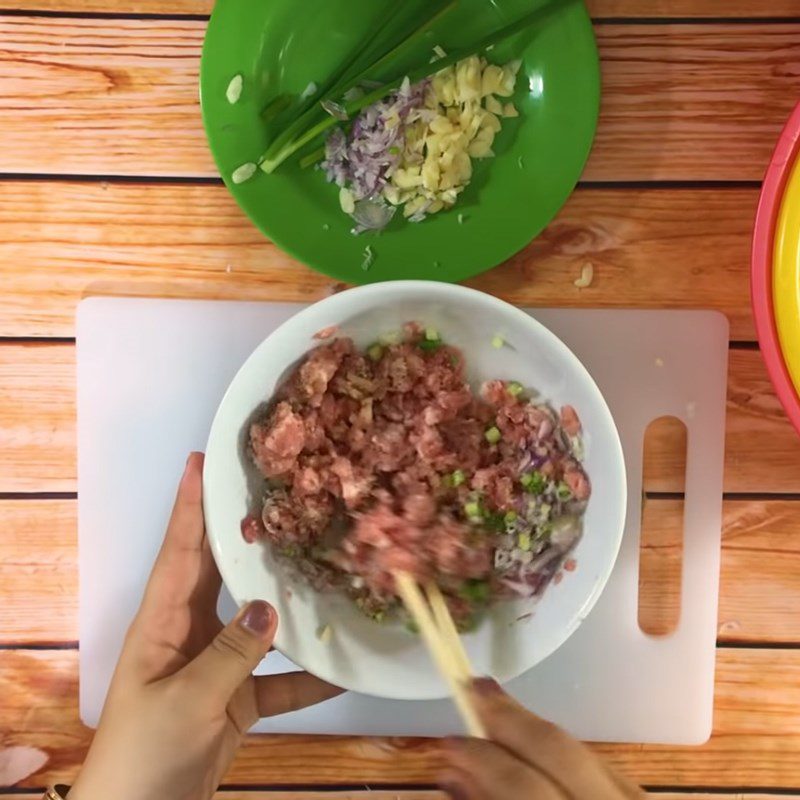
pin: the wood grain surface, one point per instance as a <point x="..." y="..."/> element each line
<point x="37" y="418"/>
<point x="38" y="572"/>
<point x="681" y="101"/>
<point x="37" y="415"/>
<point x="599" y="9"/>
<point x="756" y="737"/>
<point x="759" y="596"/>
<point x="650" y="248"/>
<point x="255" y="794"/>
<point x="377" y="794"/>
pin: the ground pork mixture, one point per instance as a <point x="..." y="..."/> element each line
<point x="386" y="460"/>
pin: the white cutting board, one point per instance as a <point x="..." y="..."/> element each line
<point x="150" y="375"/>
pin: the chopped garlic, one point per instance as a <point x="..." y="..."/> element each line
<point x="243" y="173"/>
<point x="586" y="278"/>
<point x="493" y="104"/>
<point x="325" y="634"/>
<point x="347" y="200"/>
<point x="234" y="90"/>
<point x="498" y="342"/>
<point x="435" y="164"/>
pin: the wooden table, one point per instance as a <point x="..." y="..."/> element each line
<point x="107" y="187"/>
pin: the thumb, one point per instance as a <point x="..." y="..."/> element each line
<point x="236" y="651"/>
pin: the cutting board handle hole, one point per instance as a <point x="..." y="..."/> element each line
<point x="661" y="542"/>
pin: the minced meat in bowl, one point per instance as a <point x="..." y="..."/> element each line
<point x="429" y="429"/>
<point x="384" y="459"/>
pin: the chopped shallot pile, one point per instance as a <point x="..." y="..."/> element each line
<point x="386" y="460"/>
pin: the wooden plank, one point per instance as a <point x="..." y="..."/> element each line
<point x="255" y="794"/>
<point x="760" y="571"/>
<point x="718" y="796"/>
<point x="683" y="8"/>
<point x="37" y="418"/>
<point x="363" y="795"/>
<point x="98" y="96"/>
<point x="38" y="571"/>
<point x="651" y="248"/>
<point x="599" y="9"/>
<point x="759" y="595"/>
<point x="702" y="110"/>
<point x="37" y="387"/>
<point x="756" y="740"/>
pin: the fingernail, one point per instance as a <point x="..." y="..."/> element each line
<point x="488" y="687"/>
<point x="258" y="617"/>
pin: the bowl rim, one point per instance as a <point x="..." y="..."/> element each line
<point x="786" y="152"/>
<point x="617" y="458"/>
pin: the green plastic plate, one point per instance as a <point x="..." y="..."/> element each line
<point x="283" y="45"/>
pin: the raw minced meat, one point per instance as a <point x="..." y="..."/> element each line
<point x="386" y="460"/>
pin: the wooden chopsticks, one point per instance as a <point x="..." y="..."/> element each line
<point x="429" y="611"/>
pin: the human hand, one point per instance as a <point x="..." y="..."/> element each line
<point x="183" y="696"/>
<point x="526" y="758"/>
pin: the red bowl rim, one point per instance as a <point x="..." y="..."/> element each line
<point x="786" y="151"/>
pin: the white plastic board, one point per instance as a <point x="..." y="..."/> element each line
<point x="150" y="375"/>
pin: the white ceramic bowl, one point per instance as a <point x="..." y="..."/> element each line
<point x="386" y="660"/>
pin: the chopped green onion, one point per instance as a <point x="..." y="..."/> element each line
<point x="475" y="591"/>
<point x="473" y="510"/>
<point x="498" y="342"/>
<point x="458" y="477"/>
<point x="510" y="517"/>
<point x="515" y="389"/>
<point x="375" y="352"/>
<point x="412" y="626"/>
<point x="276" y="106"/>
<point x="392" y="337"/>
<point x="461" y="218"/>
<point x="432" y="335"/>
<point x="493" y="435"/>
<point x="369" y="258"/>
<point x="429" y="345"/>
<point x="394" y="151"/>
<point x="496" y="522"/>
<point x="544" y="531"/>
<point x="563" y="492"/>
<point x="524" y="542"/>
<point x="312" y="158"/>
<point x="533" y="482"/>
